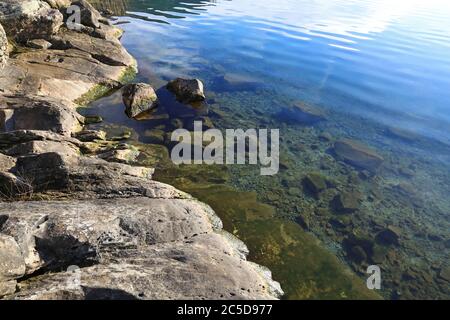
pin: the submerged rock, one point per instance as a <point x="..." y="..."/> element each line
<point x="302" y="113"/>
<point x="3" y="48"/>
<point x="315" y="183"/>
<point x="347" y="202"/>
<point x="307" y="114"/>
<point x="390" y="236"/>
<point x="138" y="98"/>
<point x="357" y="155"/>
<point x="187" y="91"/>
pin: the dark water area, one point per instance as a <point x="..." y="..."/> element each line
<point x="377" y="72"/>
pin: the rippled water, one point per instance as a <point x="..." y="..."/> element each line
<point x="370" y="65"/>
<point x="388" y="60"/>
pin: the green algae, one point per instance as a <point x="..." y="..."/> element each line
<point x="102" y="90"/>
<point x="297" y="260"/>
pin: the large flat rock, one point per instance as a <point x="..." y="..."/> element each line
<point x="137" y="248"/>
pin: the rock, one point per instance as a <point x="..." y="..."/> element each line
<point x="39" y="44"/>
<point x="402" y="134"/>
<point x="325" y="136"/>
<point x="389" y="236"/>
<point x="138" y="98"/>
<point x="7" y="287"/>
<point x="444" y="274"/>
<point x="155" y="136"/>
<point x="6" y="162"/>
<point x="90" y="17"/>
<point x="347" y="202"/>
<point x="38" y="147"/>
<point x="12" y="265"/>
<point x="357" y="254"/>
<point x="136" y="248"/>
<point x="187" y="91"/>
<point x="11" y="138"/>
<point x="92" y="119"/>
<point x="29" y="19"/>
<point x="315" y="183"/>
<point x="120" y="155"/>
<point x="12" y="186"/>
<point x="38" y="113"/>
<point x="109" y="52"/>
<point x="357" y="155"/>
<point x="59" y="4"/>
<point x="3" y="48"/>
<point x="90" y="135"/>
<point x="306" y="114"/>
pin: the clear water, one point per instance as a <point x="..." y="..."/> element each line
<point x="370" y="65"/>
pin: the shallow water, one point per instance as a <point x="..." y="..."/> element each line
<point x="370" y="66"/>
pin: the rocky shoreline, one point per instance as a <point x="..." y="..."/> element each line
<point x="72" y="225"/>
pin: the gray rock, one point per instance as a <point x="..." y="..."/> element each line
<point x="3" y="48"/>
<point x="134" y="248"/>
<point x="90" y="135"/>
<point x="12" y="264"/>
<point x="11" y="138"/>
<point x="90" y="17"/>
<point x="6" y="162"/>
<point x="38" y="113"/>
<point x="59" y="4"/>
<point x="40" y="44"/>
<point x="357" y="155"/>
<point x="138" y="98"/>
<point x="38" y="147"/>
<point x="187" y="91"/>
<point x="29" y="19"/>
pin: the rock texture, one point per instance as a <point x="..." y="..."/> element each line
<point x="113" y="232"/>
<point x="138" y="98"/>
<point x="187" y="91"/>
<point x="142" y="247"/>
<point x="29" y="19"/>
<point x="357" y="155"/>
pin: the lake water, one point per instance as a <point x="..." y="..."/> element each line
<point x="380" y="72"/>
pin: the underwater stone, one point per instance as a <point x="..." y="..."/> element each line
<point x="307" y="114"/>
<point x="315" y="182"/>
<point x="347" y="202"/>
<point x="187" y="91"/>
<point x="389" y="235"/>
<point x="357" y="155"/>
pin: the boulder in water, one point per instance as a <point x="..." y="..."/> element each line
<point x="187" y="91"/>
<point x="139" y="98"/>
